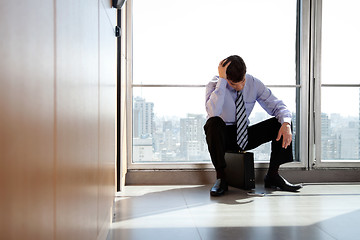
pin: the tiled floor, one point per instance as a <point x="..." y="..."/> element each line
<point x="317" y="212"/>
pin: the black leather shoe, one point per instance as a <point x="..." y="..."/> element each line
<point x="280" y="182"/>
<point x="219" y="188"/>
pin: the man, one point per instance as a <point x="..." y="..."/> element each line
<point x="230" y="98"/>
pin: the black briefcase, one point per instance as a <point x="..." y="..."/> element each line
<point x="240" y="170"/>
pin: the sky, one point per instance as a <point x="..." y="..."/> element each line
<point x="179" y="42"/>
<point x="340" y="56"/>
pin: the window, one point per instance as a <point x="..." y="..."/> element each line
<point x="340" y="84"/>
<point x="176" y="48"/>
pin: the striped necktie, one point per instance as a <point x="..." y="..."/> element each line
<point x="241" y="121"/>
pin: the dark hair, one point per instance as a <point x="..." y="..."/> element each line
<point x="236" y="69"/>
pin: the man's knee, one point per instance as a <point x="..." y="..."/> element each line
<point x="276" y="123"/>
<point x="214" y="123"/>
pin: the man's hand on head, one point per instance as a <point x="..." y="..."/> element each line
<point x="238" y="86"/>
<point x="285" y="132"/>
<point x="222" y="69"/>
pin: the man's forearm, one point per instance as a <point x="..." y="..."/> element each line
<point x="215" y="98"/>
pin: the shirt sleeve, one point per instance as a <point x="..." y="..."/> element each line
<point x="272" y="105"/>
<point x="215" y="95"/>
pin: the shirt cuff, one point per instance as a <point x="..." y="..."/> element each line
<point x="286" y="120"/>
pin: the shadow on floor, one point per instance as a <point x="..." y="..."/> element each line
<point x="343" y="227"/>
<point x="129" y="207"/>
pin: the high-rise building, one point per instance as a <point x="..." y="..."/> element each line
<point x="143" y="118"/>
<point x="167" y="125"/>
<point x="192" y="138"/>
<point x="166" y="139"/>
<point x="349" y="142"/>
<point x="330" y="140"/>
<point x="142" y="150"/>
<point x="143" y="125"/>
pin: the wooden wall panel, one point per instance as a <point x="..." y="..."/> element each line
<point x="26" y="120"/>
<point x="77" y="119"/>
<point x="107" y="113"/>
<point x="57" y="119"/>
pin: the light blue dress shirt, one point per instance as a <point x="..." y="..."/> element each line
<point x="220" y="100"/>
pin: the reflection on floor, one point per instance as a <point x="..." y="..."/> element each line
<point x="188" y="212"/>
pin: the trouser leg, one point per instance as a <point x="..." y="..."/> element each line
<point x="215" y="137"/>
<point x="268" y="131"/>
<point x="220" y="138"/>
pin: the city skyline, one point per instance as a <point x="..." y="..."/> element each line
<point x="182" y="139"/>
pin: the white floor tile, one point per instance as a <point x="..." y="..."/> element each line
<point x="189" y="212"/>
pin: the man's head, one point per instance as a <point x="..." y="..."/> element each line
<point x="236" y="70"/>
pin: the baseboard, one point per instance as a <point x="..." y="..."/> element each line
<point x="206" y="176"/>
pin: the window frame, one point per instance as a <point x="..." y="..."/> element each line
<point x="302" y="72"/>
<point x="316" y="161"/>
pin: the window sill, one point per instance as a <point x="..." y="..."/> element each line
<point x="207" y="176"/>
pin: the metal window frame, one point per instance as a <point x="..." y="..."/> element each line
<point x="316" y="161"/>
<point x="303" y="11"/>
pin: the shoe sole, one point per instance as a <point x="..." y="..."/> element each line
<point x="276" y="187"/>
<point x="216" y="194"/>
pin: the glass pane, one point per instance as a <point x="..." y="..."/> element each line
<point x="340" y="131"/>
<point x="167" y="128"/>
<point x="170" y="129"/>
<point x="182" y="42"/>
<point x="340" y="41"/>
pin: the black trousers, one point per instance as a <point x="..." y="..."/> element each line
<point x="221" y="138"/>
